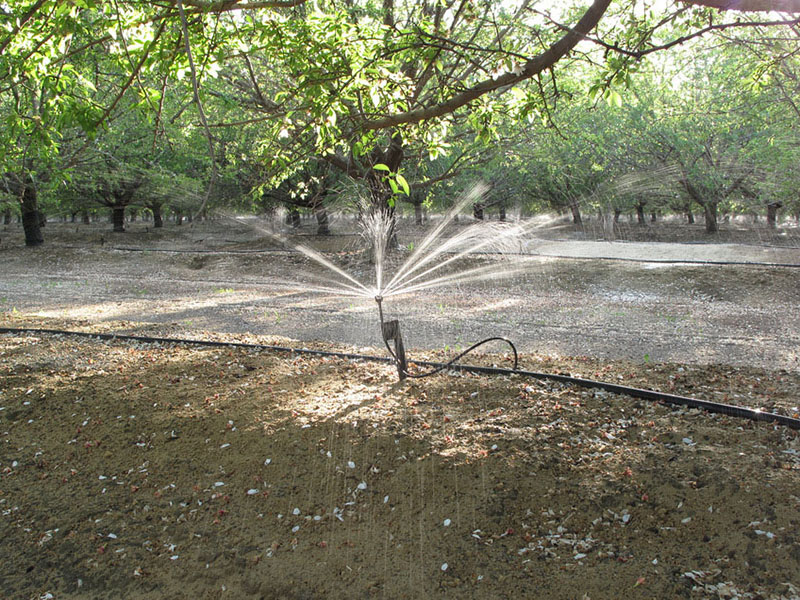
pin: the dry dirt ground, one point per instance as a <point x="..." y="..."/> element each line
<point x="140" y="470"/>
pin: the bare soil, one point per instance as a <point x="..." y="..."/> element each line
<point x="138" y="470"/>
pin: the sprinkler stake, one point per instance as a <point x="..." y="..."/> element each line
<point x="390" y="330"/>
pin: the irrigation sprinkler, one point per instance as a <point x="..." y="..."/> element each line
<point x="390" y="331"/>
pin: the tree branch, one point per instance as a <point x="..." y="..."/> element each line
<point x="531" y="68"/>
<point x="199" y="103"/>
<point x="21" y="22"/>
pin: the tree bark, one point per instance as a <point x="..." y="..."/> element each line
<point x="86" y="218"/>
<point x="293" y="218"/>
<point x="118" y="218"/>
<point x="158" y="220"/>
<point x="477" y="211"/>
<point x="418" y="213"/>
<point x="710" y="214"/>
<point x="617" y="213"/>
<point x="323" y="225"/>
<point x="772" y="214"/>
<point x="7" y="216"/>
<point x="576" y="214"/>
<point x="640" y="214"/>
<point x="31" y="218"/>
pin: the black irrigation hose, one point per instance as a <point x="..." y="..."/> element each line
<point x="715" y="407"/>
<point x="400" y="361"/>
<point x="663" y="261"/>
<point x="451" y="364"/>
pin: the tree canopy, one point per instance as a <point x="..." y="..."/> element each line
<point x="397" y="95"/>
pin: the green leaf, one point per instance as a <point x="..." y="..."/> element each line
<point x="403" y="184"/>
<point x="382" y="167"/>
<point x="613" y="98"/>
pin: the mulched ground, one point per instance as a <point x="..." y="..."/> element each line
<point x="153" y="471"/>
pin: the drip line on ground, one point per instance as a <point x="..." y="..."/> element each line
<point x="643" y="394"/>
<point x="662" y="261"/>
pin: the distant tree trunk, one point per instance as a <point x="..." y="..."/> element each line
<point x="772" y="214"/>
<point x="652" y="217"/>
<point x="7" y="216"/>
<point x="293" y="218"/>
<point x="477" y="211"/>
<point x="640" y="214"/>
<point x="576" y="214"/>
<point x="158" y="220"/>
<point x="31" y="217"/>
<point x="418" y="213"/>
<point x="86" y="219"/>
<point x="323" y="227"/>
<point x="118" y="218"/>
<point x="502" y="211"/>
<point x="617" y="213"/>
<point x="690" y="217"/>
<point x="710" y="214"/>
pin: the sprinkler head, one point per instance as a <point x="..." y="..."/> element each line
<point x="378" y="298"/>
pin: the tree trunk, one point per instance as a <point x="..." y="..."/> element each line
<point x="179" y="218"/>
<point x="293" y="218"/>
<point x="7" y="216"/>
<point x="772" y="214"/>
<point x="323" y="227"/>
<point x="418" y="213"/>
<point x="652" y="217"/>
<point x="31" y="218"/>
<point x="86" y="218"/>
<point x="576" y="214"/>
<point x="502" y="211"/>
<point x="640" y="214"/>
<point x="477" y="211"/>
<point x="118" y="218"/>
<point x="690" y="217"/>
<point x="710" y="214"/>
<point x="158" y="220"/>
<point x="617" y="213"/>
